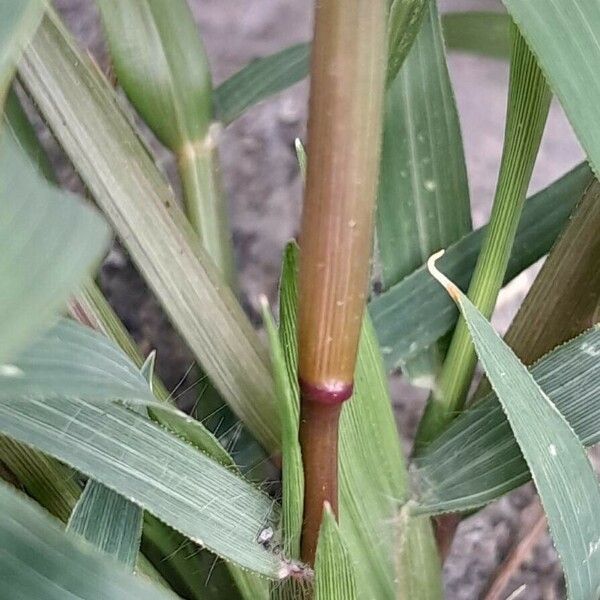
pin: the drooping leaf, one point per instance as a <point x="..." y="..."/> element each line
<point x="423" y="202"/>
<point x="334" y="573"/>
<point x="49" y="241"/>
<point x="153" y="469"/>
<point x="18" y="22"/>
<point x="565" y="296"/>
<point x="40" y="562"/>
<point x="477" y="460"/>
<point x="416" y="312"/>
<point x="486" y="33"/>
<point x="57" y="399"/>
<point x="559" y="466"/>
<point x="569" y="60"/>
<point x="80" y="107"/>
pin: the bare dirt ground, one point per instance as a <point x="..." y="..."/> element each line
<point x="263" y="185"/>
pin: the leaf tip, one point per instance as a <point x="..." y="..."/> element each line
<point x="440" y="277"/>
<point x="263" y="301"/>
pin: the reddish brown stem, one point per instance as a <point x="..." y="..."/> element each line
<point x="344" y="129"/>
<point x="319" y="440"/>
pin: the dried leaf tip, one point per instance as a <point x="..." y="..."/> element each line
<point x="440" y="277"/>
<point x="263" y="301"/>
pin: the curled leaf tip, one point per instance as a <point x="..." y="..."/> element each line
<point x="443" y="280"/>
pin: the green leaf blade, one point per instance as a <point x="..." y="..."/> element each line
<point x="40" y="562"/>
<point x="261" y="79"/>
<point x="18" y="22"/>
<point x="334" y="575"/>
<point x="416" y="312"/>
<point x="562" y="473"/>
<point x="476" y="459"/>
<point x="292" y="470"/>
<point x="49" y="241"/>
<point x="169" y="81"/>
<point x="423" y="202"/>
<point x="80" y="108"/>
<point x="571" y="68"/>
<point x="108" y="521"/>
<point x="486" y="33"/>
<point x="62" y="404"/>
<point x="153" y="469"/>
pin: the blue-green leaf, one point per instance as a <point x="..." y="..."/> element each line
<point x="561" y="471"/>
<point x="39" y="561"/>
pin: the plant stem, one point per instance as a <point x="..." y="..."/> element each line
<point x="344" y="133"/>
<point x="320" y="458"/>
<point x="198" y="165"/>
<point x="529" y="102"/>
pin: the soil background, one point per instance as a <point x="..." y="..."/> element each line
<point x="263" y="185"/>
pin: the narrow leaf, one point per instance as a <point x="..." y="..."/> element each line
<point x="292" y="474"/>
<point x="40" y="562"/>
<point x="561" y="471"/>
<point x="80" y="107"/>
<point x="423" y="196"/>
<point x="571" y="68"/>
<point x="423" y="200"/>
<point x="169" y="83"/>
<point x="334" y="573"/>
<point x="71" y="359"/>
<point x="107" y="519"/>
<point x="261" y="79"/>
<point x="415" y="313"/>
<point x="527" y="110"/>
